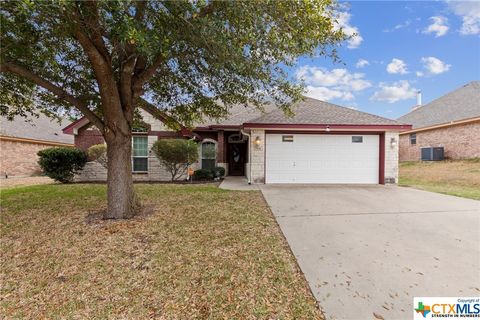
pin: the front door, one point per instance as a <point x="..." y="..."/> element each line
<point x="236" y="159"/>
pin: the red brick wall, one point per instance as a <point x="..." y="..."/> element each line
<point x="18" y="158"/>
<point x="221" y="146"/>
<point x="459" y="142"/>
<point x="87" y="137"/>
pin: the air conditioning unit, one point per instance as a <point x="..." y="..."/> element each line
<point x="432" y="154"/>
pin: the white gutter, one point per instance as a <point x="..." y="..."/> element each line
<point x="249" y="180"/>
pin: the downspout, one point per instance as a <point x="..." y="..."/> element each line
<point x="249" y="180"/>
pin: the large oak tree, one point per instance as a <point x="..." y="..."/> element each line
<point x="180" y="59"/>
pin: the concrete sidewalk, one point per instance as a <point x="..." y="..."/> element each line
<point x="371" y="249"/>
<point x="237" y="183"/>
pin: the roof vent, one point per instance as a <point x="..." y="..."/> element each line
<point x="419" y="100"/>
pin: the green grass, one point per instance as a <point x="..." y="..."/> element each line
<point x="204" y="253"/>
<point x="457" y="178"/>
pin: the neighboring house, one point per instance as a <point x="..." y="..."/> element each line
<point x="21" y="139"/>
<point x="322" y="143"/>
<point x="451" y="122"/>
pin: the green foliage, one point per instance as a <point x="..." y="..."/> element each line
<point x="203" y="174"/>
<point x="176" y="155"/>
<point x="61" y="164"/>
<point x="218" y="172"/>
<point x="98" y="152"/>
<point x="206" y="55"/>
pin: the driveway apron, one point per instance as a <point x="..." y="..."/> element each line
<point x="367" y="251"/>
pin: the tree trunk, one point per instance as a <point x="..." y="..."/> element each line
<point x="122" y="202"/>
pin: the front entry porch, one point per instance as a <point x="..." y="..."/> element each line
<point x="237" y="183"/>
<point x="234" y="153"/>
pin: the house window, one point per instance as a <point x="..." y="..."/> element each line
<point x="357" y="139"/>
<point x="140" y="154"/>
<point x="209" y="154"/>
<point x="413" y="139"/>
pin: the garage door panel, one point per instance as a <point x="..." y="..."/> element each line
<point x="323" y="158"/>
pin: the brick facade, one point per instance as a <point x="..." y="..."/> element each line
<point x="255" y="170"/>
<point x="87" y="137"/>
<point x="459" y="142"/>
<point x="93" y="171"/>
<point x="19" y="158"/>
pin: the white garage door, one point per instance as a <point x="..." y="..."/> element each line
<point x="322" y="158"/>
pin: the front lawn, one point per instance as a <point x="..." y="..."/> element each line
<point x="458" y="178"/>
<point x="202" y="253"/>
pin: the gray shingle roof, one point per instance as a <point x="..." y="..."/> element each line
<point x="461" y="104"/>
<point x="312" y="111"/>
<point x="238" y="114"/>
<point x="41" y="128"/>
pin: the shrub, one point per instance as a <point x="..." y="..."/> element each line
<point x="176" y="155"/>
<point x="218" y="172"/>
<point x="203" y="174"/>
<point x="98" y="152"/>
<point x="61" y="164"/>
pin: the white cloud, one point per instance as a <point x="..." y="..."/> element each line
<point x="399" y="26"/>
<point x="343" y="22"/>
<point x="397" y="66"/>
<point x="326" y="84"/>
<point x="469" y="11"/>
<point x="362" y="63"/>
<point x="400" y="90"/>
<point x="327" y="94"/>
<point x="434" y="65"/>
<point x="419" y="73"/>
<point x="439" y="26"/>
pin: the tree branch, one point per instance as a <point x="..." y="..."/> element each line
<point x="59" y="92"/>
<point x="115" y="118"/>
<point x="140" y="10"/>
<point x="97" y="30"/>
<point x="154" y="111"/>
<point x="165" y="118"/>
<point x="206" y="10"/>
<point x="147" y="73"/>
<point x="126" y="93"/>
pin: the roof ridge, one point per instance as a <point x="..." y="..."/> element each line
<point x="354" y="110"/>
<point x="476" y="82"/>
<point x="311" y="109"/>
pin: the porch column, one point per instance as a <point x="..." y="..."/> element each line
<point x="257" y="149"/>
<point x="221" y="151"/>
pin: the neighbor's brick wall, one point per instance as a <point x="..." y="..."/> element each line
<point x="391" y="158"/>
<point x="459" y="142"/>
<point x="257" y="157"/>
<point x="19" y="158"/>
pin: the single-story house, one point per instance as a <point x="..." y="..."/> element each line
<point x="21" y="139"/>
<point x="321" y="143"/>
<point x="451" y="121"/>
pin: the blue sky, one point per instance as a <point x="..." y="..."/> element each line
<point x="405" y="46"/>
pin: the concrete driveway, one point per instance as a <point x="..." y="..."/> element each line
<point x="371" y="249"/>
